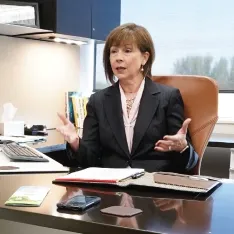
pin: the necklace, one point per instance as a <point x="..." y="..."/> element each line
<point x="129" y="103"/>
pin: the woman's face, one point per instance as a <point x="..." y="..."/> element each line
<point x="126" y="61"/>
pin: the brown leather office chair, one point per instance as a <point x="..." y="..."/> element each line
<point x="200" y="96"/>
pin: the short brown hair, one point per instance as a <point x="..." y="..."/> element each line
<point x="133" y="33"/>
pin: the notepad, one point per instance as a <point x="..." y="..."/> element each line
<point x="173" y="181"/>
<point x="184" y="182"/>
<point x="100" y="175"/>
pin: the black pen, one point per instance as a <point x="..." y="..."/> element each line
<point x="138" y="175"/>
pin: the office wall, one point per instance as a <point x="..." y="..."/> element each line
<point x="34" y="76"/>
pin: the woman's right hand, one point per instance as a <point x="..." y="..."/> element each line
<point x="68" y="131"/>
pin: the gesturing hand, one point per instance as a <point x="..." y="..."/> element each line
<point x="170" y="204"/>
<point x="167" y="204"/>
<point x="126" y="200"/>
<point x="175" y="142"/>
<point x="68" y="130"/>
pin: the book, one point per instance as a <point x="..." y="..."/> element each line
<point x="28" y="196"/>
<point x="101" y="175"/>
<point x="69" y="109"/>
<point x="80" y="112"/>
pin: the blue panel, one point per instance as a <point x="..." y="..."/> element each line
<point x="74" y="17"/>
<point x="105" y="17"/>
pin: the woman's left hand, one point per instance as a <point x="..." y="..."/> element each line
<point x="175" y="142"/>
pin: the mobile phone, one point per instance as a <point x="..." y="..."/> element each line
<point x="79" y="203"/>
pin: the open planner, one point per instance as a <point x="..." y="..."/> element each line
<point x="138" y="177"/>
<point x="101" y="175"/>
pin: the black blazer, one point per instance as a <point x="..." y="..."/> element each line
<point x="104" y="143"/>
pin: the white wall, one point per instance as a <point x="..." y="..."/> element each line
<point x="86" y="68"/>
<point x="34" y="76"/>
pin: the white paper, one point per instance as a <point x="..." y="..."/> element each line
<point x="103" y="174"/>
<point x="23" y="139"/>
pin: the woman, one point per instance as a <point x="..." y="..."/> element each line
<point x="135" y="122"/>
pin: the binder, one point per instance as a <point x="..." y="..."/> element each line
<point x="163" y="180"/>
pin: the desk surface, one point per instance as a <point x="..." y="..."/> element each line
<point x="221" y="140"/>
<point x="54" y="142"/>
<point x="185" y="213"/>
<point x="8" y="166"/>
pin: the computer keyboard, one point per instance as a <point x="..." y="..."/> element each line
<point x="18" y="152"/>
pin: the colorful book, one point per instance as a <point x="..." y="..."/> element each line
<point x="79" y="107"/>
<point x="28" y="196"/>
<point x="69" y="105"/>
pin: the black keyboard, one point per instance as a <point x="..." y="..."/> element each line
<point x="18" y="152"/>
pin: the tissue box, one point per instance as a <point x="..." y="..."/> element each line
<point x="12" y="128"/>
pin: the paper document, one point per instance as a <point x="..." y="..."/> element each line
<point x="23" y="139"/>
<point x="101" y="175"/>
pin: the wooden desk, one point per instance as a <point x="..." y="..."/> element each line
<point x="180" y="213"/>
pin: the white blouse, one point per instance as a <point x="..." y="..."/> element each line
<point x="129" y="122"/>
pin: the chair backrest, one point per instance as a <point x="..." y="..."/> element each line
<point x="200" y="97"/>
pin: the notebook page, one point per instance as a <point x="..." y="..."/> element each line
<point x="93" y="174"/>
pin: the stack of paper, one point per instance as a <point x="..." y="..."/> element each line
<point x="23" y="139"/>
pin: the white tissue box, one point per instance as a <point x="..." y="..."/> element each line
<point x="12" y="128"/>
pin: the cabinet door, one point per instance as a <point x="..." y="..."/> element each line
<point x="74" y="17"/>
<point x="105" y="17"/>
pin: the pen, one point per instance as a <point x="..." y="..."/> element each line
<point x="138" y="175"/>
<point x="198" y="178"/>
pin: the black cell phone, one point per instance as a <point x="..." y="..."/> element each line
<point x="79" y="203"/>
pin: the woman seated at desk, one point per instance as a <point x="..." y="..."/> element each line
<point x="135" y="122"/>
